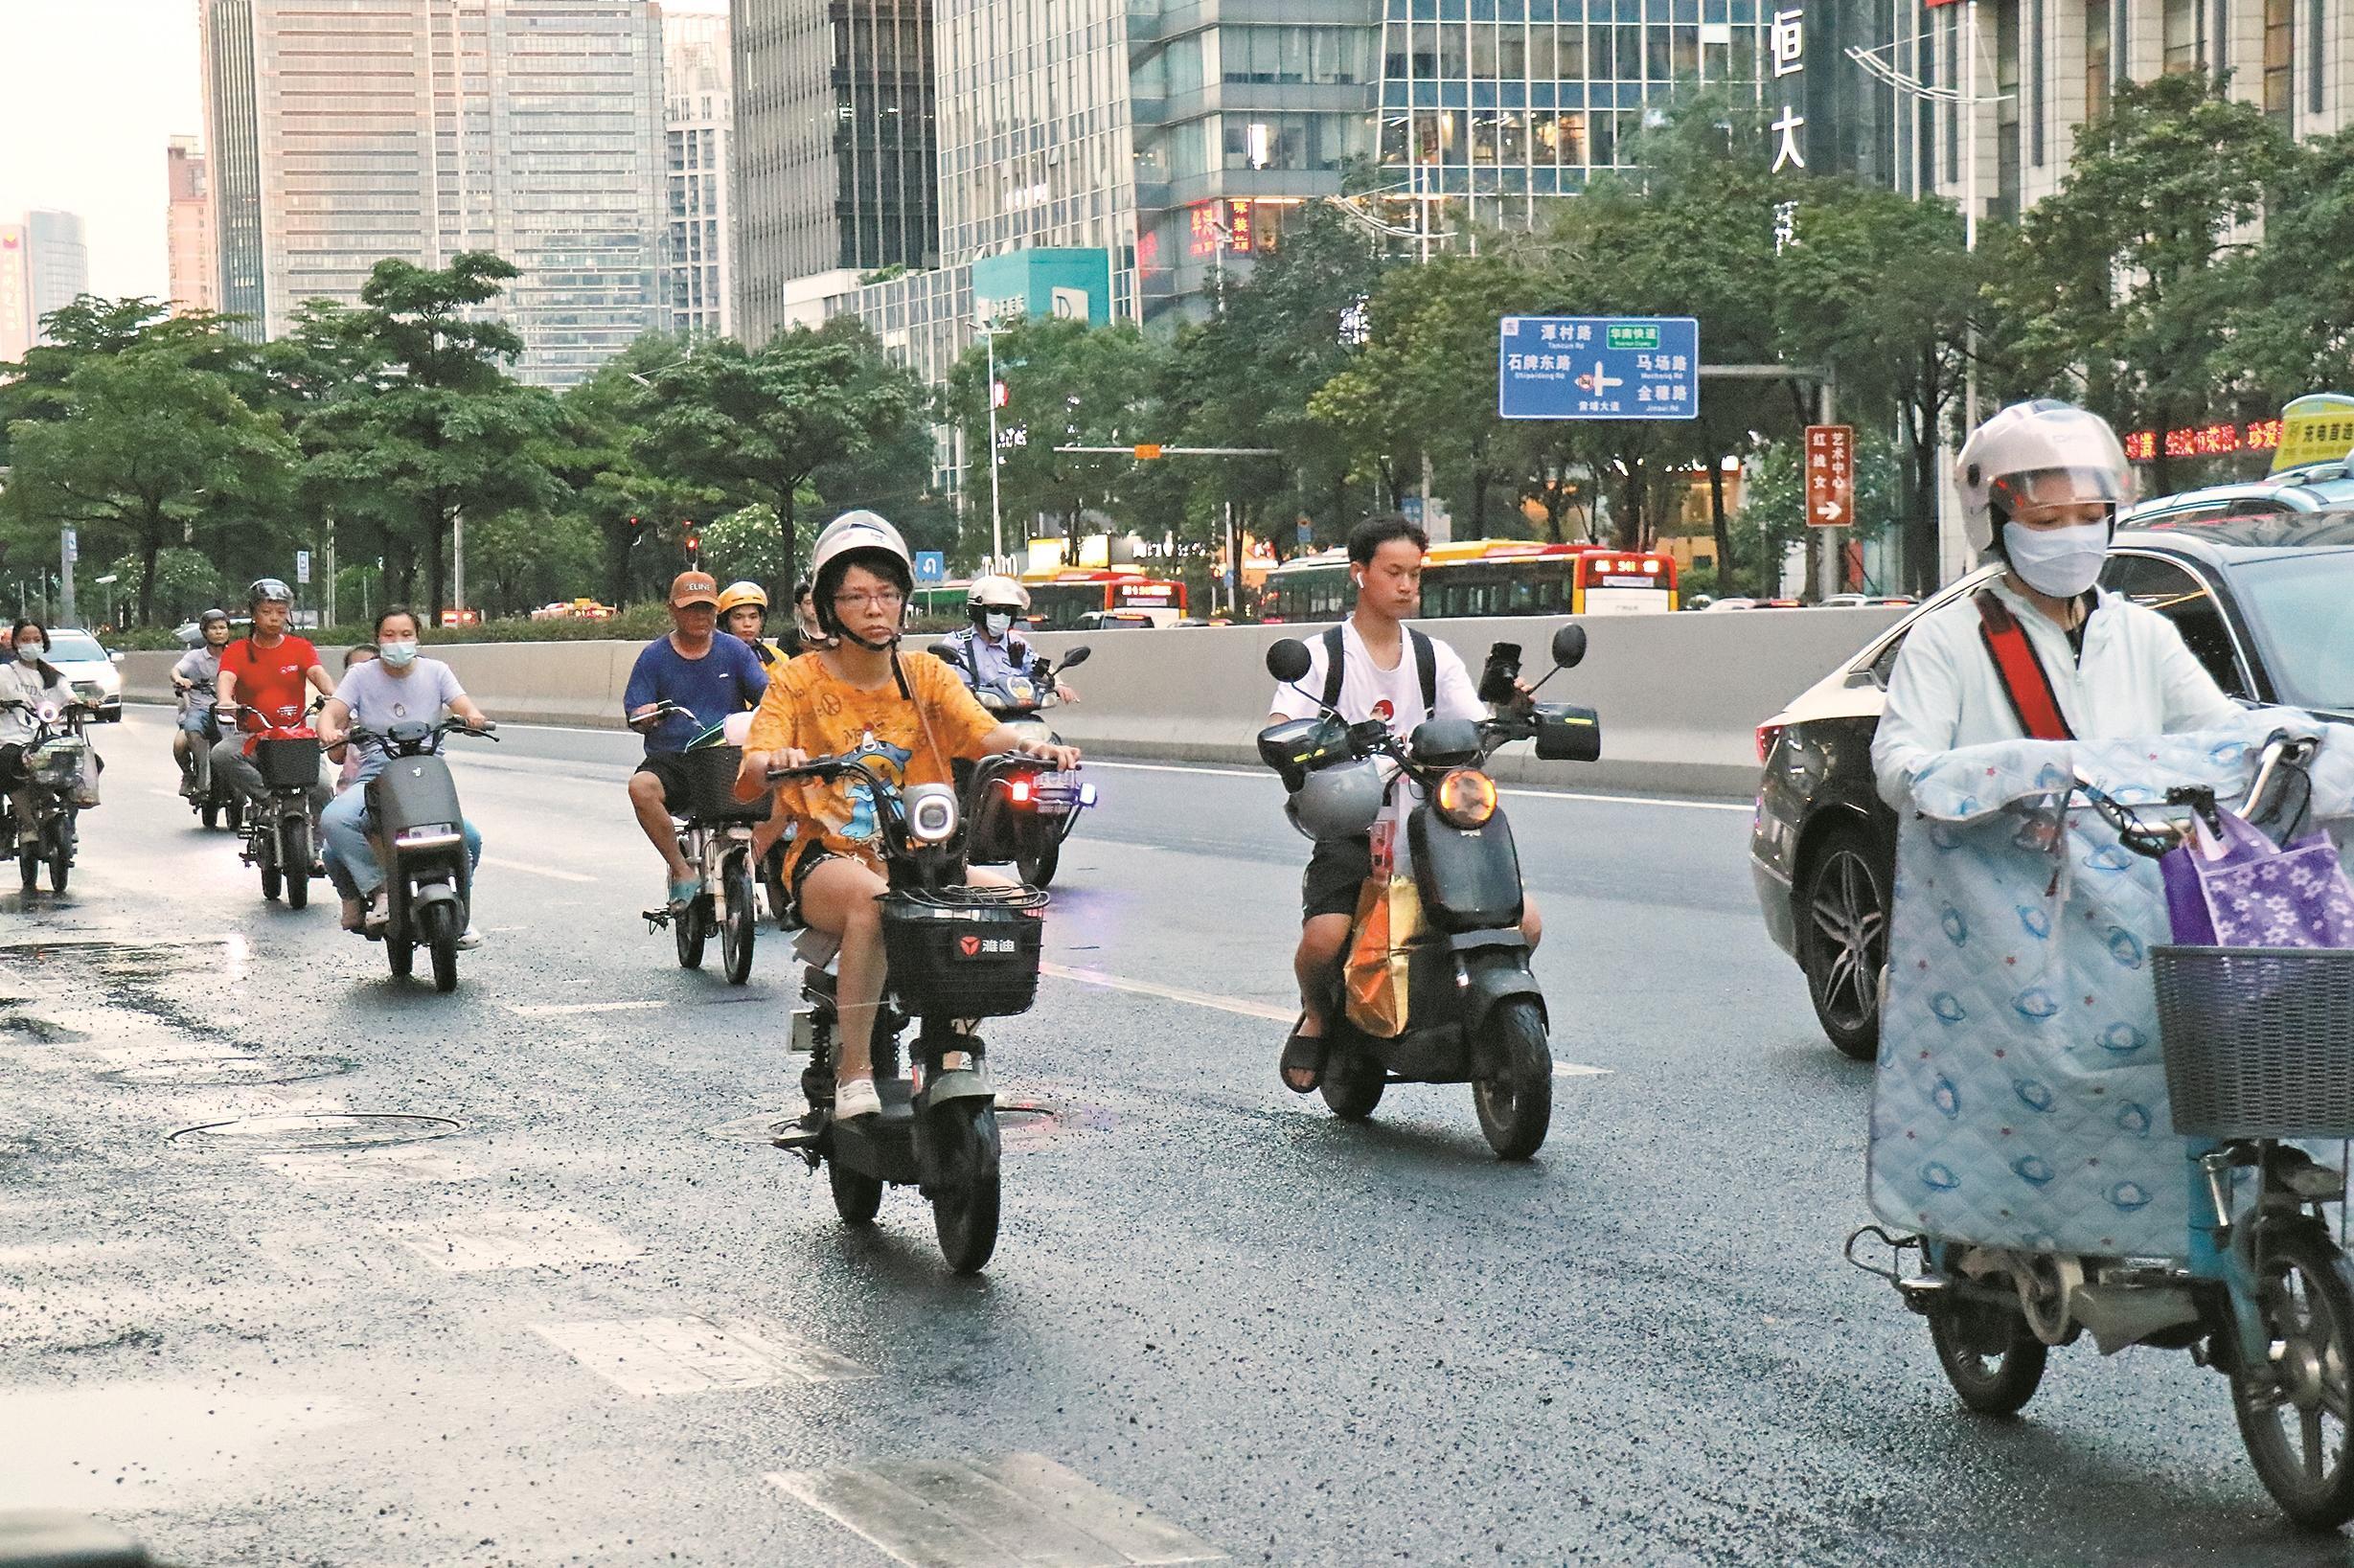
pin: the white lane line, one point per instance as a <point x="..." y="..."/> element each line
<point x="535" y="871"/>
<point x="1013" y="1510"/>
<point x="556" y="1009"/>
<point x="1670" y="801"/>
<point x="533" y="1239"/>
<point x="693" y="1355"/>
<point x="1229" y="1004"/>
<point x="1169" y="993"/>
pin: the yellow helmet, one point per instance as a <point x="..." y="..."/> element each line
<point x="737" y="594"/>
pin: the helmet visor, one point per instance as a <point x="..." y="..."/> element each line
<point x="2041" y="494"/>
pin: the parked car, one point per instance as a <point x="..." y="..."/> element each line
<point x="2314" y="488"/>
<point x="89" y="670"/>
<point x="1116" y="621"/>
<point x="2265" y="601"/>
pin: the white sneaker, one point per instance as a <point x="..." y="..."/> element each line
<point x="855" y="1097"/>
<point x="468" y="939"/>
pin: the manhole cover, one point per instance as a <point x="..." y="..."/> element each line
<point x="301" y="1134"/>
<point x="1023" y="1124"/>
<point x="762" y="1129"/>
<point x="230" y="1070"/>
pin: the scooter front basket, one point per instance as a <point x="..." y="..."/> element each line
<point x="964" y="952"/>
<point x="290" y="764"/>
<point x="2259" y="1041"/>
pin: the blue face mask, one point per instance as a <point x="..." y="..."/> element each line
<point x="400" y="655"/>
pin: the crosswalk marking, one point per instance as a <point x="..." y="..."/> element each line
<point x="1011" y="1510"/>
<point x="692" y="1355"/>
<point x="534" y="1238"/>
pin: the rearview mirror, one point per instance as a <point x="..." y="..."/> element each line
<point x="1287" y="660"/>
<point x="1077" y="655"/>
<point x="1569" y="646"/>
<point x="945" y="652"/>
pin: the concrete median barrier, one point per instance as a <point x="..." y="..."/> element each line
<point x="1680" y="696"/>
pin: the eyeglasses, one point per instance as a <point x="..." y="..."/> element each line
<point x="889" y="598"/>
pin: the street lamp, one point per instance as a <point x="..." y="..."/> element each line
<point x="108" y="583"/>
<point x="996" y="517"/>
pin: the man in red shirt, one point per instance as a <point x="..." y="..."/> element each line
<point x="263" y="676"/>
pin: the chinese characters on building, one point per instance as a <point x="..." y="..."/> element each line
<point x="1786" y="41"/>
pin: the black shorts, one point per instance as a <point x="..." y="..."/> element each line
<point x="669" y="771"/>
<point x="1335" y="873"/>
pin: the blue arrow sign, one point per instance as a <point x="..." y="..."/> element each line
<point x="1597" y="368"/>
<point x="931" y="567"/>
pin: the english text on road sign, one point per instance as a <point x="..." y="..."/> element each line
<point x="1830" y="456"/>
<point x="1597" y="368"/>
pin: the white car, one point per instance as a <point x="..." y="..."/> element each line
<point x="89" y="670"/>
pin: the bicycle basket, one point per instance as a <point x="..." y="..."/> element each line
<point x="56" y="765"/>
<point x="964" y="952"/>
<point x="710" y="773"/>
<point x="289" y="764"/>
<point x="2259" y="1041"/>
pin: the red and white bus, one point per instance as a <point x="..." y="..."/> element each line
<point x="1058" y="600"/>
<point x="1489" y="577"/>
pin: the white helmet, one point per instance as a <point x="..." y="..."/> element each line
<point x="2032" y="440"/>
<point x="862" y="539"/>
<point x="997" y="593"/>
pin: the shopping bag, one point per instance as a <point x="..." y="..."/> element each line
<point x="1374" y="979"/>
<point x="2230" y="886"/>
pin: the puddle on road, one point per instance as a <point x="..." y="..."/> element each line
<point x="46" y="1032"/>
<point x="308" y="1134"/>
<point x="235" y="1070"/>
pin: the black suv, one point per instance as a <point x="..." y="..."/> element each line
<point x="2267" y="604"/>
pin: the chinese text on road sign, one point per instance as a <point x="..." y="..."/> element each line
<point x="1597" y="368"/>
<point x="1831" y="475"/>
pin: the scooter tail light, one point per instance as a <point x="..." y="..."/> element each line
<point x="1767" y="734"/>
<point x="1466" y="798"/>
<point x="1022" y="788"/>
<point x="426" y="835"/>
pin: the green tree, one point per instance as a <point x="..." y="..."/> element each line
<point x="2290" y="331"/>
<point x="141" y="444"/>
<point x="762" y="426"/>
<point x="1774" y="506"/>
<point x="600" y="450"/>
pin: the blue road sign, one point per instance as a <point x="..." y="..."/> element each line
<point x="931" y="567"/>
<point x="1597" y="368"/>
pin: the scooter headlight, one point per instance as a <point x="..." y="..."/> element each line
<point x="1466" y="798"/>
<point x="931" y="813"/>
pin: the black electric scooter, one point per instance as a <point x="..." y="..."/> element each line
<point x="1474" y="1013"/>
<point x="279" y="831"/>
<point x="421" y="844"/>
<point x="1025" y="829"/>
<point x="953" y="953"/>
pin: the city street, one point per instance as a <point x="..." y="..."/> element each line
<point x="576" y="1311"/>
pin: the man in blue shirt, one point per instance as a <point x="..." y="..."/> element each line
<point x="709" y="677"/>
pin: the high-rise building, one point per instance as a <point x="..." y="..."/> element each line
<point x="60" y="269"/>
<point x="346" y="131"/>
<point x="697" y="89"/>
<point x="15" y="292"/>
<point x="835" y="161"/>
<point x="194" y="271"/>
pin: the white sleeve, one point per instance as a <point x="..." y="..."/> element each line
<point x="1458" y="696"/>
<point x="2193" y="701"/>
<point x="1298" y="700"/>
<point x="1919" y="720"/>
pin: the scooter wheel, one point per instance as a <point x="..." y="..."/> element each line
<point x="401" y="956"/>
<point x="1515" y="1102"/>
<point x="1353" y="1081"/>
<point x="1036" y="863"/>
<point x="1990" y="1355"/>
<point x="965" y="1205"/>
<point x="857" y="1197"/>
<point x="2293" y="1414"/>
<point x="211" y="814"/>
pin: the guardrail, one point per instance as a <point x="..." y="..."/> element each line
<point x="1680" y="696"/>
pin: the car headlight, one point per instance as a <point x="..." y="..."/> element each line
<point x="1466" y="798"/>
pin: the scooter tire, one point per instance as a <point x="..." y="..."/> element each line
<point x="298" y="866"/>
<point x="965" y="1207"/>
<point x="857" y="1197"/>
<point x="271" y="882"/>
<point x="2308" y="1311"/>
<point x="399" y="956"/>
<point x="441" y="934"/>
<point x="1353" y="1081"/>
<point x="689" y="930"/>
<point x="1515" y="1103"/>
<point x="1990" y="1355"/>
<point x="210" y="815"/>
<point x="1037" y="853"/>
<point x="739" y="925"/>
<point x="61" y="856"/>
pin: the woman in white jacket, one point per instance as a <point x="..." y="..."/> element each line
<point x="2043" y="653"/>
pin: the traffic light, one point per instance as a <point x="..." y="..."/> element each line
<point x="695" y="542"/>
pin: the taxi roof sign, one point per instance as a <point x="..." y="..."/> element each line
<point x="2315" y="428"/>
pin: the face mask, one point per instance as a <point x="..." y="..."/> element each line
<point x="2062" y="562"/>
<point x="30" y="652"/>
<point x="996" y="625"/>
<point x="400" y="655"/>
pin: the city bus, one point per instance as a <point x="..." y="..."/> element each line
<point x="1058" y="599"/>
<point x="1487" y="576"/>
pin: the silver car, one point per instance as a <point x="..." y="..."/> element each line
<point x="89" y="670"/>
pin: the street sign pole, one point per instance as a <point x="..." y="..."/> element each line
<point x="69" y="551"/>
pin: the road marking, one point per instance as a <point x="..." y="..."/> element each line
<point x="556" y="1009"/>
<point x="1229" y="1004"/>
<point x="1674" y="802"/>
<point x="535" y="871"/>
<point x="535" y="1238"/>
<point x="692" y="1355"/>
<point x="1015" y="1510"/>
<point x="1169" y="993"/>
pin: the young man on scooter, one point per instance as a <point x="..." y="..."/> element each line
<point x="193" y="679"/>
<point x="908" y="716"/>
<point x="2043" y="653"/>
<point x="710" y="677"/>
<point x="262" y="677"/>
<point x="1401" y="676"/>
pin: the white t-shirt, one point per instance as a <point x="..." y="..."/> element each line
<point x="1394" y="697"/>
<point x="380" y="700"/>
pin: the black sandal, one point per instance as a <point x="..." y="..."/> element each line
<point x="1303" y="1057"/>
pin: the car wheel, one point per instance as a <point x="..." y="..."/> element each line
<point x="1843" y="937"/>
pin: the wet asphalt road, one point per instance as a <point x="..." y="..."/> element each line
<point x="592" y="1322"/>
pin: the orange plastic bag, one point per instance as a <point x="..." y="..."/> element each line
<point x="1388" y="917"/>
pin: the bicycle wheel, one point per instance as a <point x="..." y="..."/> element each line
<point x="2293" y="1413"/>
<point x="739" y="921"/>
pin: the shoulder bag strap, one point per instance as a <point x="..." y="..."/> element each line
<point x="2025" y="680"/>
<point x="1426" y="669"/>
<point x="1332" y="667"/>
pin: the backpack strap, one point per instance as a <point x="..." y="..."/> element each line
<point x="1332" y="667"/>
<point x="2025" y="680"/>
<point x="1426" y="670"/>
